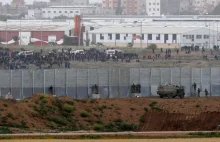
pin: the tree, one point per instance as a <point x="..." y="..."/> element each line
<point x="152" y="46"/>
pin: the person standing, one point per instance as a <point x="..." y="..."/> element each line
<point x="206" y="93"/>
<point x="199" y="92"/>
<point x="194" y="87"/>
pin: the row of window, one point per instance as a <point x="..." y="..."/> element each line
<point x="134" y="35"/>
<point x="153" y="3"/>
<point x="60" y="11"/>
<point x="153" y="9"/>
<point x="197" y="36"/>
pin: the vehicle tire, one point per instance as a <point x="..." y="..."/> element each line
<point x="181" y="95"/>
<point x="161" y="96"/>
<point x="169" y="96"/>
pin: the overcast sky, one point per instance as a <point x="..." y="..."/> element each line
<point x="31" y="1"/>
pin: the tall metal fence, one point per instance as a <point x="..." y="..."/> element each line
<point x="112" y="82"/>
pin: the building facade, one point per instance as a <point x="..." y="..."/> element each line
<point x="111" y="4"/>
<point x="68" y="2"/>
<point x="153" y="7"/>
<point x="163" y="37"/>
<point x="170" y="7"/>
<point x="16" y="3"/>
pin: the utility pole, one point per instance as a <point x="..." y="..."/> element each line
<point x="141" y="34"/>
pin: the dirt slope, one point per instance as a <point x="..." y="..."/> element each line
<point x="45" y="113"/>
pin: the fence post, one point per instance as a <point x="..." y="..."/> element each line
<point x="150" y="81"/>
<point x="119" y="70"/>
<point x="108" y="82"/>
<point x="171" y="76"/>
<point x="66" y="82"/>
<point x="44" y="83"/>
<point x="22" y="93"/>
<point x="54" y="88"/>
<point x="76" y="83"/>
<point x="33" y="82"/>
<point x="160" y="77"/>
<point x="191" y="81"/>
<point x="11" y="82"/>
<point x="210" y="81"/>
<point x="88" y="82"/>
<point x="180" y="76"/>
<point x="201" y="78"/>
<point x="98" y="81"/>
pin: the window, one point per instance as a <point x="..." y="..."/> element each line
<point x="77" y="11"/>
<point x="60" y="11"/>
<point x="149" y="36"/>
<point x="101" y="37"/>
<point x="206" y="36"/>
<point x="65" y="11"/>
<point x="117" y="36"/>
<point x="142" y="37"/>
<point x="158" y="37"/>
<point x="71" y="11"/>
<point x="198" y="36"/>
<point x="48" y="11"/>
<point x="54" y="12"/>
<point x="109" y="36"/>
<point x="43" y="11"/>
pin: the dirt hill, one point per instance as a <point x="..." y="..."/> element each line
<point x="44" y="113"/>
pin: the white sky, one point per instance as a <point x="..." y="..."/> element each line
<point x="31" y="1"/>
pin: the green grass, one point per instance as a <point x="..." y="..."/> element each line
<point x="84" y="113"/>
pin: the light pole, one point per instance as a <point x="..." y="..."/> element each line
<point x="6" y="34"/>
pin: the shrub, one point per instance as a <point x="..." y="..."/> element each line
<point x="92" y="101"/>
<point x="23" y="124"/>
<point x="98" y="127"/>
<point x="127" y="127"/>
<point x="5" y="130"/>
<point x="9" y="115"/>
<point x="70" y="103"/>
<point x="68" y="108"/>
<point x="132" y="108"/>
<point x="84" y="113"/>
<point x="157" y="109"/>
<point x="153" y="103"/>
<point x="145" y="109"/>
<point x="5" y="105"/>
<point x="59" y="120"/>
<point x="142" y="120"/>
<point x="198" y="105"/>
<point x="110" y="127"/>
<point x="42" y="96"/>
<point x="101" y="108"/>
<point x="152" y="46"/>
<point x="117" y="121"/>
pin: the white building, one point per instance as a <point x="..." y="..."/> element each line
<point x="69" y="2"/>
<point x="153" y="7"/>
<point x="164" y="37"/>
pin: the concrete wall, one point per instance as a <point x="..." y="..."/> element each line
<point x="112" y="82"/>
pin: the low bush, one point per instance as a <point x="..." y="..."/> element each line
<point x="206" y="135"/>
<point x="70" y="103"/>
<point x="127" y="127"/>
<point x="59" y="120"/>
<point x="153" y="103"/>
<point x="132" y="108"/>
<point x="98" y="127"/>
<point x="157" y="109"/>
<point x="84" y="113"/>
<point x="68" y="108"/>
<point x="5" y="105"/>
<point x="5" y="130"/>
<point x="142" y="120"/>
<point x="145" y="109"/>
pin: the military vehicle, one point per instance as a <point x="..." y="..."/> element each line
<point x="171" y="91"/>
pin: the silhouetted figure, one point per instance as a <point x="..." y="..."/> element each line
<point x="51" y="90"/>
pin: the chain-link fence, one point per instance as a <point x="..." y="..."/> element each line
<point x="112" y="82"/>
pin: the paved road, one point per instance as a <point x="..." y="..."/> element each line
<point x="167" y="133"/>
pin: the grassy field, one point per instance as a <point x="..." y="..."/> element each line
<point x="124" y="140"/>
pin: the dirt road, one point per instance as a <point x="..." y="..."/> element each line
<point x="124" y="140"/>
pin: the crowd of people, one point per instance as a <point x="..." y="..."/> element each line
<point x="62" y="58"/>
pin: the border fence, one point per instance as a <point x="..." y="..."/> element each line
<point x="112" y="82"/>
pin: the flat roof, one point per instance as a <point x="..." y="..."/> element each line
<point x="76" y="6"/>
<point x="35" y="27"/>
<point x="144" y="29"/>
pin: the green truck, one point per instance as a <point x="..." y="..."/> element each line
<point x="171" y="91"/>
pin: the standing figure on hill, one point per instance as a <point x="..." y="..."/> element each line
<point x="194" y="87"/>
<point x="199" y="92"/>
<point x="206" y="93"/>
<point x="51" y="90"/>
